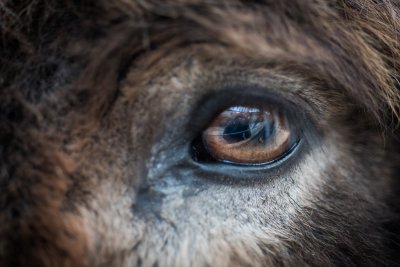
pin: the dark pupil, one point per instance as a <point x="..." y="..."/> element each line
<point x="237" y="130"/>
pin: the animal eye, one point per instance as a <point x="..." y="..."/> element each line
<point x="247" y="136"/>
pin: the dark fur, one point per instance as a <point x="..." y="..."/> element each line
<point x="74" y="78"/>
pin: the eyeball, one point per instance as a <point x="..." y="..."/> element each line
<point x="248" y="136"/>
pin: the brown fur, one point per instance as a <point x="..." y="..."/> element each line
<point x="80" y="119"/>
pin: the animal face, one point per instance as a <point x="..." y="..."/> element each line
<point x="199" y="133"/>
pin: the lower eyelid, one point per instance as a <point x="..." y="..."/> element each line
<point x="249" y="174"/>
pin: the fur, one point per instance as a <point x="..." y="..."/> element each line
<point x="88" y="125"/>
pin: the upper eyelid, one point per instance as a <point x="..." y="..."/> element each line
<point x="294" y="85"/>
<point x="258" y="97"/>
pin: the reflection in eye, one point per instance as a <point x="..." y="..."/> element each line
<point x="248" y="136"/>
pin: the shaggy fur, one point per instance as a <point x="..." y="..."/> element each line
<point x="97" y="99"/>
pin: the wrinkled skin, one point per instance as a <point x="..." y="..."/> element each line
<point x="104" y="98"/>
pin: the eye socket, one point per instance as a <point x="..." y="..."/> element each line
<point x="246" y="136"/>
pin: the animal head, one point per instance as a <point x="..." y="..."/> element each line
<point x="199" y="133"/>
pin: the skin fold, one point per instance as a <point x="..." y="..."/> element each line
<point x="102" y="101"/>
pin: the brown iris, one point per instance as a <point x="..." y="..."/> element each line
<point x="245" y="135"/>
